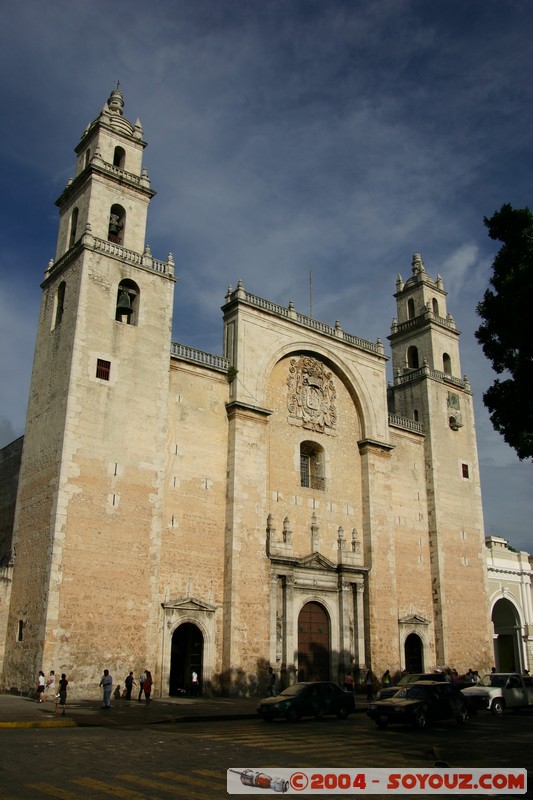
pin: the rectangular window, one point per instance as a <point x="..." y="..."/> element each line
<point x="103" y="369"/>
<point x="464" y="468"/>
<point x="305" y="471"/>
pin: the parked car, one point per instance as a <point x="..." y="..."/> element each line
<point x="308" y="699"/>
<point x="405" y="680"/>
<point x="501" y="690"/>
<point x="421" y="703"/>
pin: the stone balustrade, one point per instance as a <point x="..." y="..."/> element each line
<point x="199" y="357"/>
<point x="289" y="313"/>
<point x="407" y="424"/>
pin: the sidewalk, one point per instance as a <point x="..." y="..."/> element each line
<point x="21" y="712"/>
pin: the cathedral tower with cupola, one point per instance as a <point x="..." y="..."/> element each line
<point x="428" y="388"/>
<point x="91" y="479"/>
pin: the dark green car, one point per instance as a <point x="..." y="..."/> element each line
<point x="314" y="699"/>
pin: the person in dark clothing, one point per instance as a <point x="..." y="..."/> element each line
<point x="129" y="683"/>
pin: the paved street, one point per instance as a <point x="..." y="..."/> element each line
<point x="152" y="761"/>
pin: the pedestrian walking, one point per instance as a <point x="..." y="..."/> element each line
<point x="41" y="681"/>
<point x="142" y="678"/>
<point x="107" y="685"/>
<point x="368" y="682"/>
<point x="51" y="685"/>
<point x="271" y="688"/>
<point x="148" y="686"/>
<point x="129" y="683"/>
<point x="195" y="686"/>
<point x="62" y="696"/>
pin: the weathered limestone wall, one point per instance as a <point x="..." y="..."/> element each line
<point x="91" y="494"/>
<point x="457" y="536"/>
<point x="38" y="483"/>
<point x="381" y="614"/>
<point x="105" y="572"/>
<point x="412" y="552"/>
<point x="192" y="541"/>
<point x="10" y="457"/>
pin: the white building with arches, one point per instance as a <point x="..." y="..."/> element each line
<point x="279" y="504"/>
<point x="511" y="605"/>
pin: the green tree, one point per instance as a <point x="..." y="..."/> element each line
<point x="506" y="333"/>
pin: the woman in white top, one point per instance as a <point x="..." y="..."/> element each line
<point x="40" y="687"/>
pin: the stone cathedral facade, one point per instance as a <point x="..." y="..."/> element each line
<point x="278" y="505"/>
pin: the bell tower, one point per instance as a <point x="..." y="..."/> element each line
<point x="88" y="524"/>
<point x="428" y="388"/>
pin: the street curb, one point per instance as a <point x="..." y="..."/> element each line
<point x="43" y="723"/>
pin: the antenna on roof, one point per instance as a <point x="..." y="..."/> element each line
<point x="311" y="293"/>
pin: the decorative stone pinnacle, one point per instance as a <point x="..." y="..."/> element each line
<point x="417" y="264"/>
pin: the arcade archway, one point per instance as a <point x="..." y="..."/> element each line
<point x="506" y="624"/>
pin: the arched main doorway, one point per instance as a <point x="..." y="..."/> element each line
<point x="414" y="653"/>
<point x="186" y="657"/>
<point x="506" y="632"/>
<point x="313" y="643"/>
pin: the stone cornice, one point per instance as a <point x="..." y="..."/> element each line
<point x="236" y="406"/>
<point x="316" y="561"/>
<point x="189" y="604"/>
<point x="373" y="444"/>
<point x="137" y="182"/>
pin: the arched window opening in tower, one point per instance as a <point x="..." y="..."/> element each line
<point x="73" y="228"/>
<point x="411" y="309"/>
<point x="59" y="303"/>
<point x="117" y="222"/>
<point x="312" y="466"/>
<point x="446" y="364"/>
<point x="119" y="157"/>
<point x="412" y="357"/>
<point x="127" y="308"/>
<point x="436" y="307"/>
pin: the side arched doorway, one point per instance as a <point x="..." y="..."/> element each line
<point x="506" y="636"/>
<point x="186" y="657"/>
<point x="313" y="643"/>
<point x="414" y="653"/>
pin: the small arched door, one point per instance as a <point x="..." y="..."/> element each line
<point x="313" y="643"/>
<point x="414" y="653"/>
<point x="186" y="657"/>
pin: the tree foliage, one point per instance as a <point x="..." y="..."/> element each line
<point x="506" y="334"/>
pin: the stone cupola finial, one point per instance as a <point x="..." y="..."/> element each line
<point x="116" y="101"/>
<point x="418" y="265"/>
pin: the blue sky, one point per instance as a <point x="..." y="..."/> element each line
<point x="285" y="136"/>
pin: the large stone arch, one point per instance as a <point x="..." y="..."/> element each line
<point x="507" y="634"/>
<point x="362" y="397"/>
